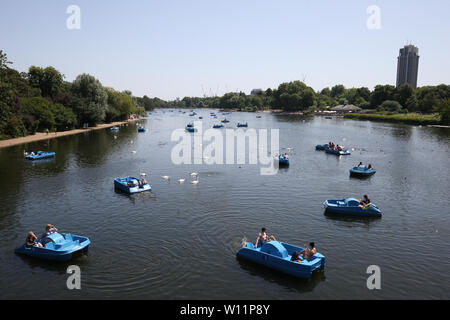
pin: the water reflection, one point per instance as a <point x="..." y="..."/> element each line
<point x="292" y="283"/>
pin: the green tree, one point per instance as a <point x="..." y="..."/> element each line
<point x="403" y="93"/>
<point x="90" y="99"/>
<point x="4" y="60"/>
<point x="381" y="94"/>
<point x="48" y="80"/>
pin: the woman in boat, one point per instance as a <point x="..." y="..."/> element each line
<point x="365" y="202"/>
<point x="370" y="166"/>
<point x="339" y="148"/>
<point x="310" y="251"/>
<point x="31" y="240"/>
<point x="263" y="237"/>
<point x="131" y="184"/>
<point x="142" y="181"/>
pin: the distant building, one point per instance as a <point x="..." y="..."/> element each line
<point x="408" y="66"/>
<point x="346" y="108"/>
<point x="256" y="92"/>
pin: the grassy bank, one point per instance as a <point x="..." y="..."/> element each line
<point x="408" y="118"/>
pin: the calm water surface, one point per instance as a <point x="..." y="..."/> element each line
<point x="180" y="240"/>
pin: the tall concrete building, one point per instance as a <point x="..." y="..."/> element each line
<point x="408" y="66"/>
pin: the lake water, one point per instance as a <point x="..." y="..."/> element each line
<point x="180" y="240"/>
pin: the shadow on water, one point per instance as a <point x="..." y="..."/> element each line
<point x="59" y="267"/>
<point x="343" y="219"/>
<point x="287" y="281"/>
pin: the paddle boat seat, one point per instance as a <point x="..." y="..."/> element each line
<point x="275" y="248"/>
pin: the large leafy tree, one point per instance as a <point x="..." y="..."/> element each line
<point x="90" y="99"/>
<point x="48" y="80"/>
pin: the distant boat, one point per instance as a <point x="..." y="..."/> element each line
<point x="362" y="171"/>
<point x="191" y="129"/>
<point x="132" y="185"/>
<point x="141" y="129"/>
<point x="225" y="120"/>
<point x="40" y="155"/>
<point x="218" y="126"/>
<point x="283" y="161"/>
<point x="115" y="128"/>
<point x="242" y="125"/>
<point x="322" y="147"/>
<point x="258" y="117"/>
<point x="350" y="206"/>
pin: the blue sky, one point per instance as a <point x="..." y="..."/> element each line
<point x="183" y="48"/>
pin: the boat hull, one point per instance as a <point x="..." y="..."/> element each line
<point x="121" y="184"/>
<point x="337" y="152"/>
<point x="276" y="255"/>
<point x="363" y="172"/>
<point x="351" y="207"/>
<point x="63" y="249"/>
<point x="40" y="155"/>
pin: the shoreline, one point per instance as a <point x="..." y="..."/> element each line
<point x="39" y="136"/>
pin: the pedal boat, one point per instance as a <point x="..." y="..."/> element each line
<point x="362" y="171"/>
<point x="350" y="206"/>
<point x="40" y="155"/>
<point x="57" y="246"/>
<point x="277" y="255"/>
<point x="123" y="185"/>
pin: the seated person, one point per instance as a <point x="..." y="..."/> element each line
<point x="263" y="237"/>
<point x="365" y="202"/>
<point x="360" y="165"/>
<point x="131" y="184"/>
<point x="296" y="257"/>
<point x="49" y="229"/>
<point x="339" y="148"/>
<point x="31" y="240"/>
<point x="285" y="156"/>
<point x="310" y="251"/>
<point x="370" y="167"/>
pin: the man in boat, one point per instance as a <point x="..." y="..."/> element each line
<point x="142" y="181"/>
<point x="339" y="148"/>
<point x="310" y="251"/>
<point x="370" y="166"/>
<point x="263" y="237"/>
<point x="365" y="202"/>
<point x="360" y="165"/>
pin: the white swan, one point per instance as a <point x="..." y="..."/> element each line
<point x="194" y="174"/>
<point x="165" y="177"/>
<point x="181" y="180"/>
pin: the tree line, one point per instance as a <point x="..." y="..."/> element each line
<point x="41" y="99"/>
<point x="297" y="96"/>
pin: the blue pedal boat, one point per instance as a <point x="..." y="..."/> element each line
<point x="40" y="155"/>
<point x="362" y="171"/>
<point x="282" y="161"/>
<point x="277" y="255"/>
<point x="337" y="152"/>
<point x="322" y="147"/>
<point x="242" y="125"/>
<point x="350" y="206"/>
<point x="225" y="120"/>
<point x="218" y="126"/>
<point x="57" y="246"/>
<point x="114" y="128"/>
<point x="126" y="185"/>
<point x="141" y="129"/>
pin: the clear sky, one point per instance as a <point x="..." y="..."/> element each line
<point x="177" y="48"/>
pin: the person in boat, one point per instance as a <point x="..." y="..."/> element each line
<point x="49" y="229"/>
<point x="31" y="240"/>
<point x="365" y="202"/>
<point x="370" y="166"/>
<point x="142" y="181"/>
<point x="310" y="251"/>
<point x="339" y="148"/>
<point x="285" y="156"/>
<point x="360" y="165"/>
<point x="263" y="237"/>
<point x="296" y="257"/>
<point x="131" y="184"/>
